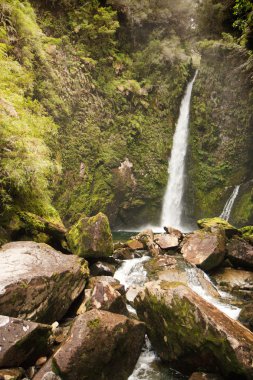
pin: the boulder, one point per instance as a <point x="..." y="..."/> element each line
<point x="100" y="346"/>
<point x="235" y="281"/>
<point x="145" y="237"/>
<point x="240" y="253"/>
<point x="38" y="282"/>
<point x="166" y="241"/>
<point x="21" y="341"/>
<point x="206" y="249"/>
<point x="135" y="244"/>
<point x="174" y="232"/>
<point x="12" y="374"/>
<point x="176" y="269"/>
<point x="103" y="296"/>
<point x="125" y="253"/>
<point x="91" y="237"/>
<point x="108" y="279"/>
<point x="190" y="333"/>
<point x="101" y="268"/>
<point x="210" y="223"/>
<point x="246" y="316"/>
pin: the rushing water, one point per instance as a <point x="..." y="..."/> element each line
<point x="149" y="366"/>
<point x="172" y="203"/>
<point x="230" y="203"/>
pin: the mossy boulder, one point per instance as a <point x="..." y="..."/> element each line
<point x="100" y="346"/>
<point x="191" y="334"/>
<point x="247" y="233"/>
<point x="91" y="237"/>
<point x="209" y="223"/>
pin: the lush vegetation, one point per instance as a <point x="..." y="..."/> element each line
<point x="89" y="97"/>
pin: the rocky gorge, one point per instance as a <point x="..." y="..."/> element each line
<point x="133" y="117"/>
<point x="61" y="320"/>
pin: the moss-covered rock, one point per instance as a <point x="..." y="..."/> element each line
<point x="246" y="316"/>
<point x="91" y="237"/>
<point x="209" y="223"/>
<point x="27" y="226"/>
<point x="191" y="334"/>
<point x="247" y="233"/>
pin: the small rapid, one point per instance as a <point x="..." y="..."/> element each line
<point x="149" y="366"/>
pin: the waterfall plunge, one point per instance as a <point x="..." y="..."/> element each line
<point x="172" y="203"/>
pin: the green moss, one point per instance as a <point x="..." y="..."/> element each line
<point x="94" y="324"/>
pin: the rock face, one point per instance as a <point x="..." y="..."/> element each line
<point x="206" y="249"/>
<point x="37" y="282"/>
<point x="101" y="345"/>
<point x="240" y="253"/>
<point x="91" y="237"/>
<point x="190" y="333"/>
<point x="102" y="269"/>
<point x="135" y="244"/>
<point x="21" y="341"/>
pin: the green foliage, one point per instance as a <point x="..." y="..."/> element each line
<point x="243" y="12"/>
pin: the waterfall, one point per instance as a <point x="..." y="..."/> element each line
<point x="230" y="203"/>
<point x="172" y="203"/>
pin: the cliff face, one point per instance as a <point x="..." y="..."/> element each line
<point x="221" y="133"/>
<point x="88" y="121"/>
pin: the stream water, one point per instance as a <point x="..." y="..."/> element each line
<point x="149" y="366"/>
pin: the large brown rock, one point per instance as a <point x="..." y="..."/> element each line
<point x="38" y="282"/>
<point x="166" y="241"/>
<point x="21" y="341"/>
<point x="240" y="253"/>
<point x="191" y="334"/>
<point x="91" y="237"/>
<point x="206" y="249"/>
<point x="100" y="346"/>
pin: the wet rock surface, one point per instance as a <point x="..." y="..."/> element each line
<point x="101" y="345"/>
<point x="21" y="341"/>
<point x="101" y="268"/>
<point x="204" y="248"/>
<point x="38" y="282"/>
<point x="240" y="253"/>
<point x="189" y="332"/>
<point x="91" y="237"/>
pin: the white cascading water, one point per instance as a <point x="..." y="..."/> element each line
<point x="229" y="204"/>
<point x="172" y="203"/>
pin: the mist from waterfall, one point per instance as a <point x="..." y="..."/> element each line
<point x="173" y="198"/>
<point x="230" y="203"/>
